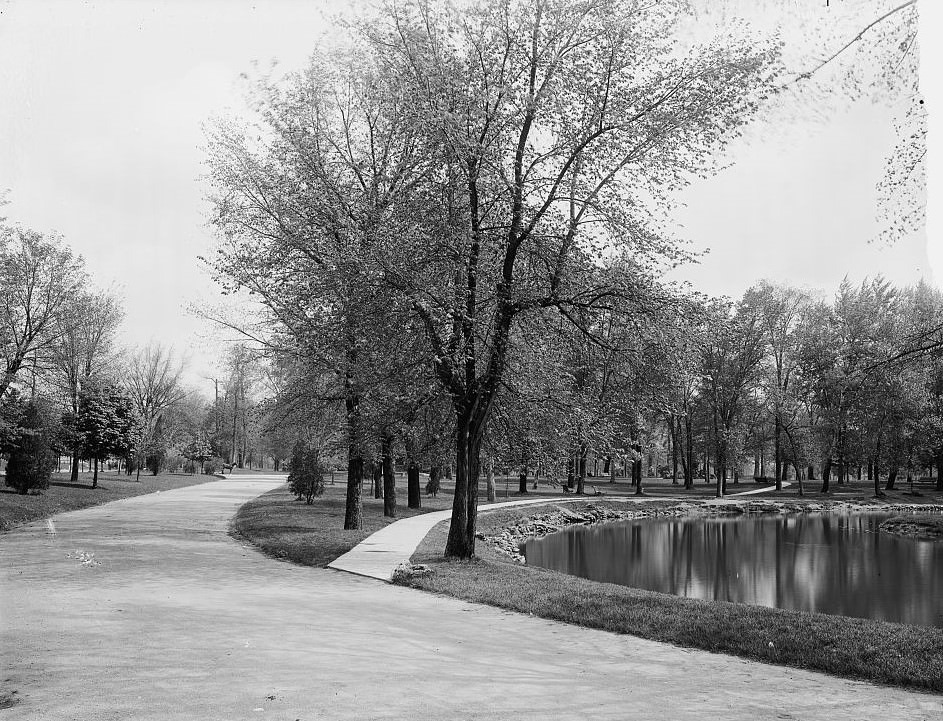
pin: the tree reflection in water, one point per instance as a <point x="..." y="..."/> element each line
<point x="830" y="563"/>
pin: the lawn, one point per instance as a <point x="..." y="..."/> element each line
<point x="877" y="651"/>
<point x="314" y="535"/>
<point x="16" y="509"/>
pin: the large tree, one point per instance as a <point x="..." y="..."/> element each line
<point x="82" y="347"/>
<point x="39" y="278"/>
<point x="556" y="122"/>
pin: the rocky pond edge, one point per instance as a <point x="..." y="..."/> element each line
<point x="913" y="520"/>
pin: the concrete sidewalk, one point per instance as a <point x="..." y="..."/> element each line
<point x="378" y="555"/>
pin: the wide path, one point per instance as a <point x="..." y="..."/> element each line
<point x="146" y="609"/>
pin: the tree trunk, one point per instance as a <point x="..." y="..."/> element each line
<point x="826" y="474"/>
<point x="353" y="513"/>
<point x="74" y="470"/>
<point x="522" y="476"/>
<point x="606" y="465"/>
<point x="878" y="493"/>
<point x="376" y="470"/>
<point x="389" y="477"/>
<point x="939" y="471"/>
<point x="468" y="433"/>
<point x="891" y="479"/>
<point x="413" y="491"/>
<point x="689" y="468"/>
<point x="492" y="493"/>
<point x="571" y="471"/>
<point x="581" y="470"/>
<point x="95" y="474"/>
<point x="811" y="472"/>
<point x="637" y="473"/>
<point x="756" y="465"/>
<point x="801" y="489"/>
<point x="674" y="451"/>
<point x="778" y="452"/>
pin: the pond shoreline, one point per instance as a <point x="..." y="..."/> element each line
<point x="511" y="537"/>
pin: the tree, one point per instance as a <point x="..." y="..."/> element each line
<point x="550" y="118"/>
<point x="106" y="423"/>
<point x="306" y="477"/>
<point x="31" y="460"/>
<point x="153" y="383"/>
<point x="39" y="277"/>
<point x="82" y="348"/>
<point x="779" y="310"/>
<point x="731" y="358"/>
<point x="198" y="450"/>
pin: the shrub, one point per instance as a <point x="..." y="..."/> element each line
<point x="306" y="478"/>
<point x="189" y="467"/>
<point x="155" y="460"/>
<point x="213" y="465"/>
<point x="31" y="461"/>
<point x="432" y="487"/>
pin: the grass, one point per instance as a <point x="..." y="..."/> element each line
<point x="62" y="495"/>
<point x="877" y="651"/>
<point x="925" y="527"/>
<point x="314" y="535"/>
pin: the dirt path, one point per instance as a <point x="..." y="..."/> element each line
<point x="146" y="609"/>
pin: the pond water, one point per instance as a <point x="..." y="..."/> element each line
<point x="830" y="563"/>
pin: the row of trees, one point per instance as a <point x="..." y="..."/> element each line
<point x="827" y="388"/>
<point x="468" y="202"/>
<point x="67" y="388"/>
<point x="454" y="226"/>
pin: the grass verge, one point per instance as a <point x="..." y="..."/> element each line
<point x="929" y="528"/>
<point x="61" y="496"/>
<point x="314" y="535"/>
<point x="878" y="651"/>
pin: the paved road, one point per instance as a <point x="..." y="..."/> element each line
<point x="172" y="619"/>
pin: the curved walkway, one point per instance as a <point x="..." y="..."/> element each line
<point x="378" y="555"/>
<point x="146" y="609"/>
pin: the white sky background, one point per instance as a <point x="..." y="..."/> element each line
<point x="101" y="113"/>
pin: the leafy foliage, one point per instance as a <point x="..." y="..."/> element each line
<point x="306" y="478"/>
<point x="31" y="460"/>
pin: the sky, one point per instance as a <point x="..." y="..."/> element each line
<point x="102" y="109"/>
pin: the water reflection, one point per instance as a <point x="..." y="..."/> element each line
<point x="829" y="563"/>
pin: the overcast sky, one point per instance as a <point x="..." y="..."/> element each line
<point x="101" y="113"/>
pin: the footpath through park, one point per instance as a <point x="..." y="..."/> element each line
<point x="378" y="555"/>
<point x="147" y="609"/>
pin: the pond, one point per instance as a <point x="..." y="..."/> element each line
<point x="829" y="563"/>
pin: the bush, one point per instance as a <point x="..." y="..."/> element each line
<point x="213" y="465"/>
<point x="189" y="467"/>
<point x="173" y="462"/>
<point x="432" y="487"/>
<point x="31" y="461"/>
<point x="306" y="478"/>
<point x="154" y="460"/>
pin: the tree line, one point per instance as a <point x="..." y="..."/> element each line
<point x="67" y="389"/>
<point x="451" y="219"/>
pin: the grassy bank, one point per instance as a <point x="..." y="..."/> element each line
<point x="62" y="495"/>
<point x="314" y="535"/>
<point x="876" y="651"/>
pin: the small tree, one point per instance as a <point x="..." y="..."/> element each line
<point x="106" y="422"/>
<point x="306" y="479"/>
<point x="198" y="450"/>
<point x="155" y="459"/>
<point x="31" y="461"/>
